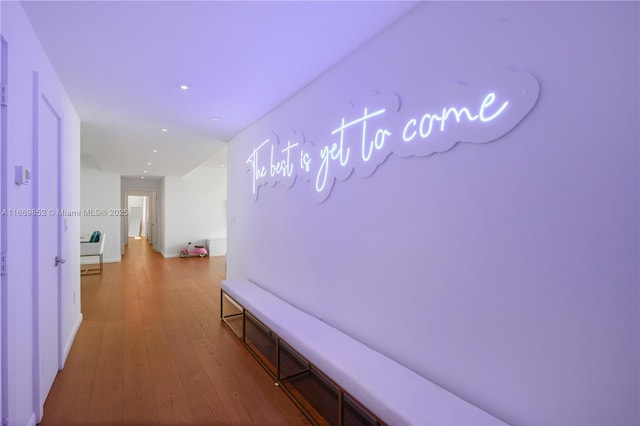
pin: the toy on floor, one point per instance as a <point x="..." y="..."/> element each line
<point x="195" y="251"/>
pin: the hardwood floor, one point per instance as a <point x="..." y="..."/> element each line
<point x="151" y="350"/>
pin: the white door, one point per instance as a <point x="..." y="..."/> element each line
<point x="48" y="244"/>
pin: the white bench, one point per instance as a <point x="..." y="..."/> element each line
<point x="394" y="394"/>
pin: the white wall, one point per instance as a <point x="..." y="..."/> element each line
<point x="25" y="56"/>
<point x="100" y="192"/>
<point x="194" y="208"/>
<point x="506" y="273"/>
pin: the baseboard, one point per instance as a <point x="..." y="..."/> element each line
<point x="72" y="337"/>
<point x="95" y="261"/>
<point x="32" y="420"/>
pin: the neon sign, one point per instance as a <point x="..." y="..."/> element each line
<point x="480" y="112"/>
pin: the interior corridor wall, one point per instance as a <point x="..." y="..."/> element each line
<point x="24" y="57"/>
<point x="100" y="201"/>
<point x="194" y="208"/>
<point x="505" y="272"/>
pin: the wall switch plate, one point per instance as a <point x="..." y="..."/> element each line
<point x="23" y="176"/>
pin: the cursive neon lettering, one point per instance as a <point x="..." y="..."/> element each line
<point x="343" y="158"/>
<point x="257" y="172"/>
<point x="458" y="115"/>
<point x="412" y="122"/>
<point x="377" y="143"/>
<point x="414" y="135"/>
<point x="283" y="167"/>
<point x="362" y="120"/>
<point x="424" y="117"/>
<point x="321" y="178"/>
<point x="305" y="161"/>
<point x="338" y="150"/>
<point x="488" y="101"/>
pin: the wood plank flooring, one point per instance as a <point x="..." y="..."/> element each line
<point x="151" y="350"/>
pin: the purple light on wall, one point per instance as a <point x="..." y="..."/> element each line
<point x="479" y="112"/>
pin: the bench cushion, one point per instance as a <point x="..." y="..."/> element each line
<point x="393" y="392"/>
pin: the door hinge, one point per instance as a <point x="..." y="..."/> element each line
<point x="4" y="264"/>
<point x="4" y="94"/>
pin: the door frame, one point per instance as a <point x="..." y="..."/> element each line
<point x="153" y="215"/>
<point x="4" y="380"/>
<point x="149" y="236"/>
<point x="38" y="97"/>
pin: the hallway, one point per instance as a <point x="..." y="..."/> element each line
<point x="152" y="350"/>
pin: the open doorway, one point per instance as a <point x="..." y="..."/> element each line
<point x="142" y="219"/>
<point x="138" y="218"/>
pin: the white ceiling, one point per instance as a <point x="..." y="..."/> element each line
<point x="121" y="62"/>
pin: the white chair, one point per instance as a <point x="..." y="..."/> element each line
<point x="92" y="249"/>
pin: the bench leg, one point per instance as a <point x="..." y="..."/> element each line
<point x="244" y="326"/>
<point x="224" y="317"/>
<point x="278" y="357"/>
<point x="340" y="407"/>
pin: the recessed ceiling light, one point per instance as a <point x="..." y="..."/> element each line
<point x="183" y="86"/>
<point x="146" y="171"/>
<point x="164" y="130"/>
<point x="141" y="177"/>
<point x="155" y="150"/>
<point x="148" y="164"/>
<point x="215" y="119"/>
<point x="221" y="165"/>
